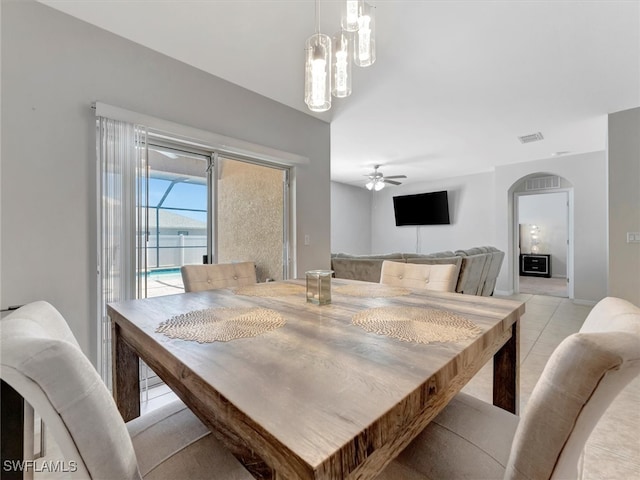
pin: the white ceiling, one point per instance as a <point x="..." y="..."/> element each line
<point x="455" y="82"/>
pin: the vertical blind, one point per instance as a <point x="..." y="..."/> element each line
<point x="122" y="177"/>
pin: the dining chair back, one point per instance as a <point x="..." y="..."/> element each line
<point x="582" y="377"/>
<point x="42" y="361"/>
<point x="473" y="439"/>
<point x="436" y="277"/>
<point x="197" y="278"/>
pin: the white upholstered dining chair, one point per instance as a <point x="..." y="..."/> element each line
<point x="471" y="439"/>
<point x="197" y="278"/>
<point x="437" y="277"/>
<point x="42" y="361"/>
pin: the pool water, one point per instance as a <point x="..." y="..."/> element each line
<point x="161" y="272"/>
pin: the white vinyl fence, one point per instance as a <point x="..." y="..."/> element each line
<point x="167" y="251"/>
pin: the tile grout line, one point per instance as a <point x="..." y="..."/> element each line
<point x="522" y="360"/>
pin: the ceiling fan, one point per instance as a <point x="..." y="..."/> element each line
<point x="377" y="181"/>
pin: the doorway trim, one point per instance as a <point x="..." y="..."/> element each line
<point x="516" y="230"/>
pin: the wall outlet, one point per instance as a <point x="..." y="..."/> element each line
<point x="633" y="237"/>
<point x="307" y="240"/>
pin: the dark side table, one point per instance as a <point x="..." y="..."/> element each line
<point x="535" y="265"/>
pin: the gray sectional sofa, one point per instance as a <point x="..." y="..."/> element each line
<point x="478" y="267"/>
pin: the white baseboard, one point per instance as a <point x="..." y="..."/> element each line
<point x="589" y="303"/>
<point x="503" y="293"/>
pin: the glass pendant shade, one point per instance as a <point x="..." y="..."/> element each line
<point x="317" y="79"/>
<point x="365" y="48"/>
<point x="378" y="186"/>
<point x="342" y="55"/>
<point x="350" y="13"/>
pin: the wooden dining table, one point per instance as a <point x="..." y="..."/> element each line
<point x="318" y="397"/>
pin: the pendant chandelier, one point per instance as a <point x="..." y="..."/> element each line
<point x="328" y="60"/>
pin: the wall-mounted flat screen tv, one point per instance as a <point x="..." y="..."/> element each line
<point x="422" y="209"/>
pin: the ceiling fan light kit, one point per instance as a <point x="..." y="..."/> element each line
<point x="377" y="180"/>
<point x="328" y="61"/>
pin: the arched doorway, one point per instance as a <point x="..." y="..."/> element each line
<point x="542" y="235"/>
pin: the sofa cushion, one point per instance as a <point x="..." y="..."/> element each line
<point x="472" y="274"/>
<point x="381" y="256"/>
<point x="472" y="251"/>
<point x="367" y="270"/>
<point x="495" y="263"/>
<point x="445" y="254"/>
<point x="477" y="268"/>
<point x="361" y="267"/>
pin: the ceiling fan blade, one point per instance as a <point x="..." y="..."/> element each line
<point x="396" y="176"/>
<point x="391" y="182"/>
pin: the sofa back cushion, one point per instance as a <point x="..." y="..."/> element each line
<point x="373" y="256"/>
<point x="492" y="274"/>
<point x="365" y="270"/>
<point x="472" y="274"/>
<point x="361" y="267"/>
<point x="444" y="254"/>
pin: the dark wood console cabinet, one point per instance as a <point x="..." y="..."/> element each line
<point x="535" y="265"/>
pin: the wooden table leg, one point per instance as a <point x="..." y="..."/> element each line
<point x="506" y="373"/>
<point x="126" y="376"/>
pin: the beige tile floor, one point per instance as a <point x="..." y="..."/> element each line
<point x="613" y="450"/>
<point x="554" y="286"/>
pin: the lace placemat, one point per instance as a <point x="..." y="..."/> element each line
<point x="373" y="290"/>
<point x="414" y="324"/>
<point x="270" y="289"/>
<point x="221" y="324"/>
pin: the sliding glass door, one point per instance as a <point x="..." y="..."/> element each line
<point x="251" y="206"/>
<point x="164" y="203"/>
<point x="179" y="222"/>
<point x="208" y="208"/>
<point x="204" y="208"/>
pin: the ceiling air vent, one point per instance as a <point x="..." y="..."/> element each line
<point x="542" y="183"/>
<point x="534" y="137"/>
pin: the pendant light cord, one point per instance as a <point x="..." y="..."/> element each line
<point x="317" y="16"/>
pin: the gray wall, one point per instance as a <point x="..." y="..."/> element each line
<point x="587" y="173"/>
<point x="53" y="68"/>
<point x="481" y="210"/>
<point x="606" y="197"/>
<point x="624" y="204"/>
<point x="471" y="218"/>
<point x="350" y="219"/>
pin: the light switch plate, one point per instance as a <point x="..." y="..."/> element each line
<point x="633" y="237"/>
